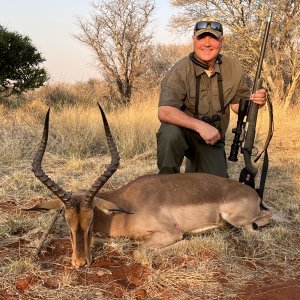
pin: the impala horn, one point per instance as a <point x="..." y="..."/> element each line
<point x="40" y="174"/>
<point x="110" y="170"/>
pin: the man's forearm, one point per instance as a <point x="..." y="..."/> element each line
<point x="173" y="115"/>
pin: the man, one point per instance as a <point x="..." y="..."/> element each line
<point x="215" y="82"/>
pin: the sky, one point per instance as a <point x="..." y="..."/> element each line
<point x="51" y="24"/>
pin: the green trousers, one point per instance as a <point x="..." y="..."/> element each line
<point x="174" y="143"/>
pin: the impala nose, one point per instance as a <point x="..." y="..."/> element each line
<point x="79" y="262"/>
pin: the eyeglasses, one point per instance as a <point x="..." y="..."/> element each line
<point x="213" y="25"/>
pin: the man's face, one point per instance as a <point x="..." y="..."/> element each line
<point x="207" y="47"/>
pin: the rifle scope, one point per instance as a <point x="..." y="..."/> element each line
<point x="238" y="130"/>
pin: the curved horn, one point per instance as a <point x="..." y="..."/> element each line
<point x="110" y="170"/>
<point x="37" y="166"/>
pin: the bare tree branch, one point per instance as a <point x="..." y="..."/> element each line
<point x="119" y="37"/>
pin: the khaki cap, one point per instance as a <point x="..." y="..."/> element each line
<point x="213" y="26"/>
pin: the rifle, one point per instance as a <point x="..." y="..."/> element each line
<point x="247" y="129"/>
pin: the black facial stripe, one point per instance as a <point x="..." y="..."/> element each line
<point x="79" y="237"/>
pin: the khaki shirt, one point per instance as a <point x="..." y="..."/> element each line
<point x="178" y="88"/>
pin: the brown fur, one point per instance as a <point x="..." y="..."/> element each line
<point x="160" y="209"/>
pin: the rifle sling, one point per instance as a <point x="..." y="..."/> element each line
<point x="265" y="165"/>
<point x="263" y="176"/>
<point x="271" y="128"/>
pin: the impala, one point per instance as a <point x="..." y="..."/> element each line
<point x="156" y="208"/>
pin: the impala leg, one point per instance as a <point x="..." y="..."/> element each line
<point x="156" y="242"/>
<point x="248" y="228"/>
<point x="45" y="234"/>
<point x="177" y="245"/>
<point x="263" y="218"/>
<point x="160" y="239"/>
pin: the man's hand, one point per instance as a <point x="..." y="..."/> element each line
<point x="209" y="133"/>
<point x="259" y="97"/>
<point x="173" y="115"/>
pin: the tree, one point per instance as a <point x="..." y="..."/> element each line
<point x="244" y="20"/>
<point x="20" y="61"/>
<point x="162" y="57"/>
<point x="117" y="34"/>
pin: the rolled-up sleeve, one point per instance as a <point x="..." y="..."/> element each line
<point x="242" y="92"/>
<point x="173" y="90"/>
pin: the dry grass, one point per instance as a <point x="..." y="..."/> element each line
<point x="212" y="265"/>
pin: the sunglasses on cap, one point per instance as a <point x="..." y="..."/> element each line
<point x="213" y="25"/>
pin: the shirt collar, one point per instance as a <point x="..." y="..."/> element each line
<point x="199" y="70"/>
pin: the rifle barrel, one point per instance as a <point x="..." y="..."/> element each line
<point x="262" y="52"/>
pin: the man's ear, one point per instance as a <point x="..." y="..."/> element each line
<point x="45" y="206"/>
<point x="108" y="207"/>
<point x="194" y="39"/>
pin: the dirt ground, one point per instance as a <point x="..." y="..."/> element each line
<point x="119" y="275"/>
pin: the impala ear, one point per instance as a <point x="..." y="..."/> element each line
<point x="108" y="207"/>
<point x="45" y="206"/>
